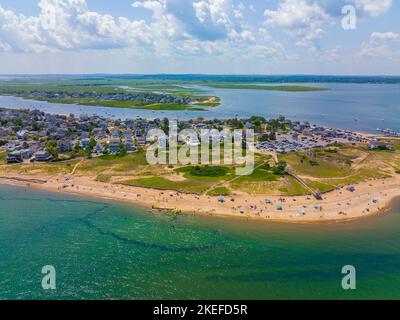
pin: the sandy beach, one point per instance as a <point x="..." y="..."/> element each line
<point x="369" y="198"/>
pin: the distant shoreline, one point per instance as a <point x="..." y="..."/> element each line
<point x="275" y="87"/>
<point x="272" y="78"/>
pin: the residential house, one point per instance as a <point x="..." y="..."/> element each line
<point x="114" y="145"/>
<point x="26" y="153"/>
<point x="14" y="157"/>
<point x="43" y="156"/>
<point x="98" y="149"/>
<point x="380" y="145"/>
<point x="64" y="145"/>
<point x="129" y="145"/>
<point x="84" y="117"/>
<point x="85" y="143"/>
<point x="4" y="132"/>
<point x="23" y="134"/>
<point x="115" y="133"/>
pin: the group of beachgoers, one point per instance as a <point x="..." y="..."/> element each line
<point x="342" y="204"/>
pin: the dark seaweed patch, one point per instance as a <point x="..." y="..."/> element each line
<point x="87" y="221"/>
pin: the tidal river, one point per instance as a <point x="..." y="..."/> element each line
<point x="103" y="250"/>
<point x="361" y="107"/>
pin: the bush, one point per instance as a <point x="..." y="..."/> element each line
<point x="265" y="166"/>
<point x="51" y="147"/>
<point x="280" y="168"/>
<point x="208" y="171"/>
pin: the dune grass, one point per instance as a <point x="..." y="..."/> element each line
<point x="129" y="164"/>
<point x="62" y="167"/>
<point x="187" y="186"/>
<point x="219" y="191"/>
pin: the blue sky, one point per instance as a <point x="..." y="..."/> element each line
<point x="199" y="36"/>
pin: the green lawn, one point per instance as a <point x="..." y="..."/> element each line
<point x="204" y="171"/>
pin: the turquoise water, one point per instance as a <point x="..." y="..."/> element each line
<point x="107" y="250"/>
<point x="363" y="107"/>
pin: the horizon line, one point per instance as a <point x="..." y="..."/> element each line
<point x="200" y="74"/>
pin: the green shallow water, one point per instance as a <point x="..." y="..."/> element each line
<point x="106" y="250"/>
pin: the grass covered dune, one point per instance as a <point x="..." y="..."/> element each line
<point x="196" y="189"/>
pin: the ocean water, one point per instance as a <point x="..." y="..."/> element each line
<point x="353" y="106"/>
<point x="104" y="250"/>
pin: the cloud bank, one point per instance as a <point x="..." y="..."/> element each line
<point x="195" y="30"/>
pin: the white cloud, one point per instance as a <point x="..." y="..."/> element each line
<point x="373" y="7"/>
<point x="67" y="25"/>
<point x="300" y="18"/>
<point x="179" y="28"/>
<point x="381" y="45"/>
<point x="214" y="26"/>
<point x="377" y="37"/>
<point x="204" y="19"/>
<point x="308" y="19"/>
<point x="295" y="14"/>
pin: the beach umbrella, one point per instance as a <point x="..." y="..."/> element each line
<point x="351" y="188"/>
